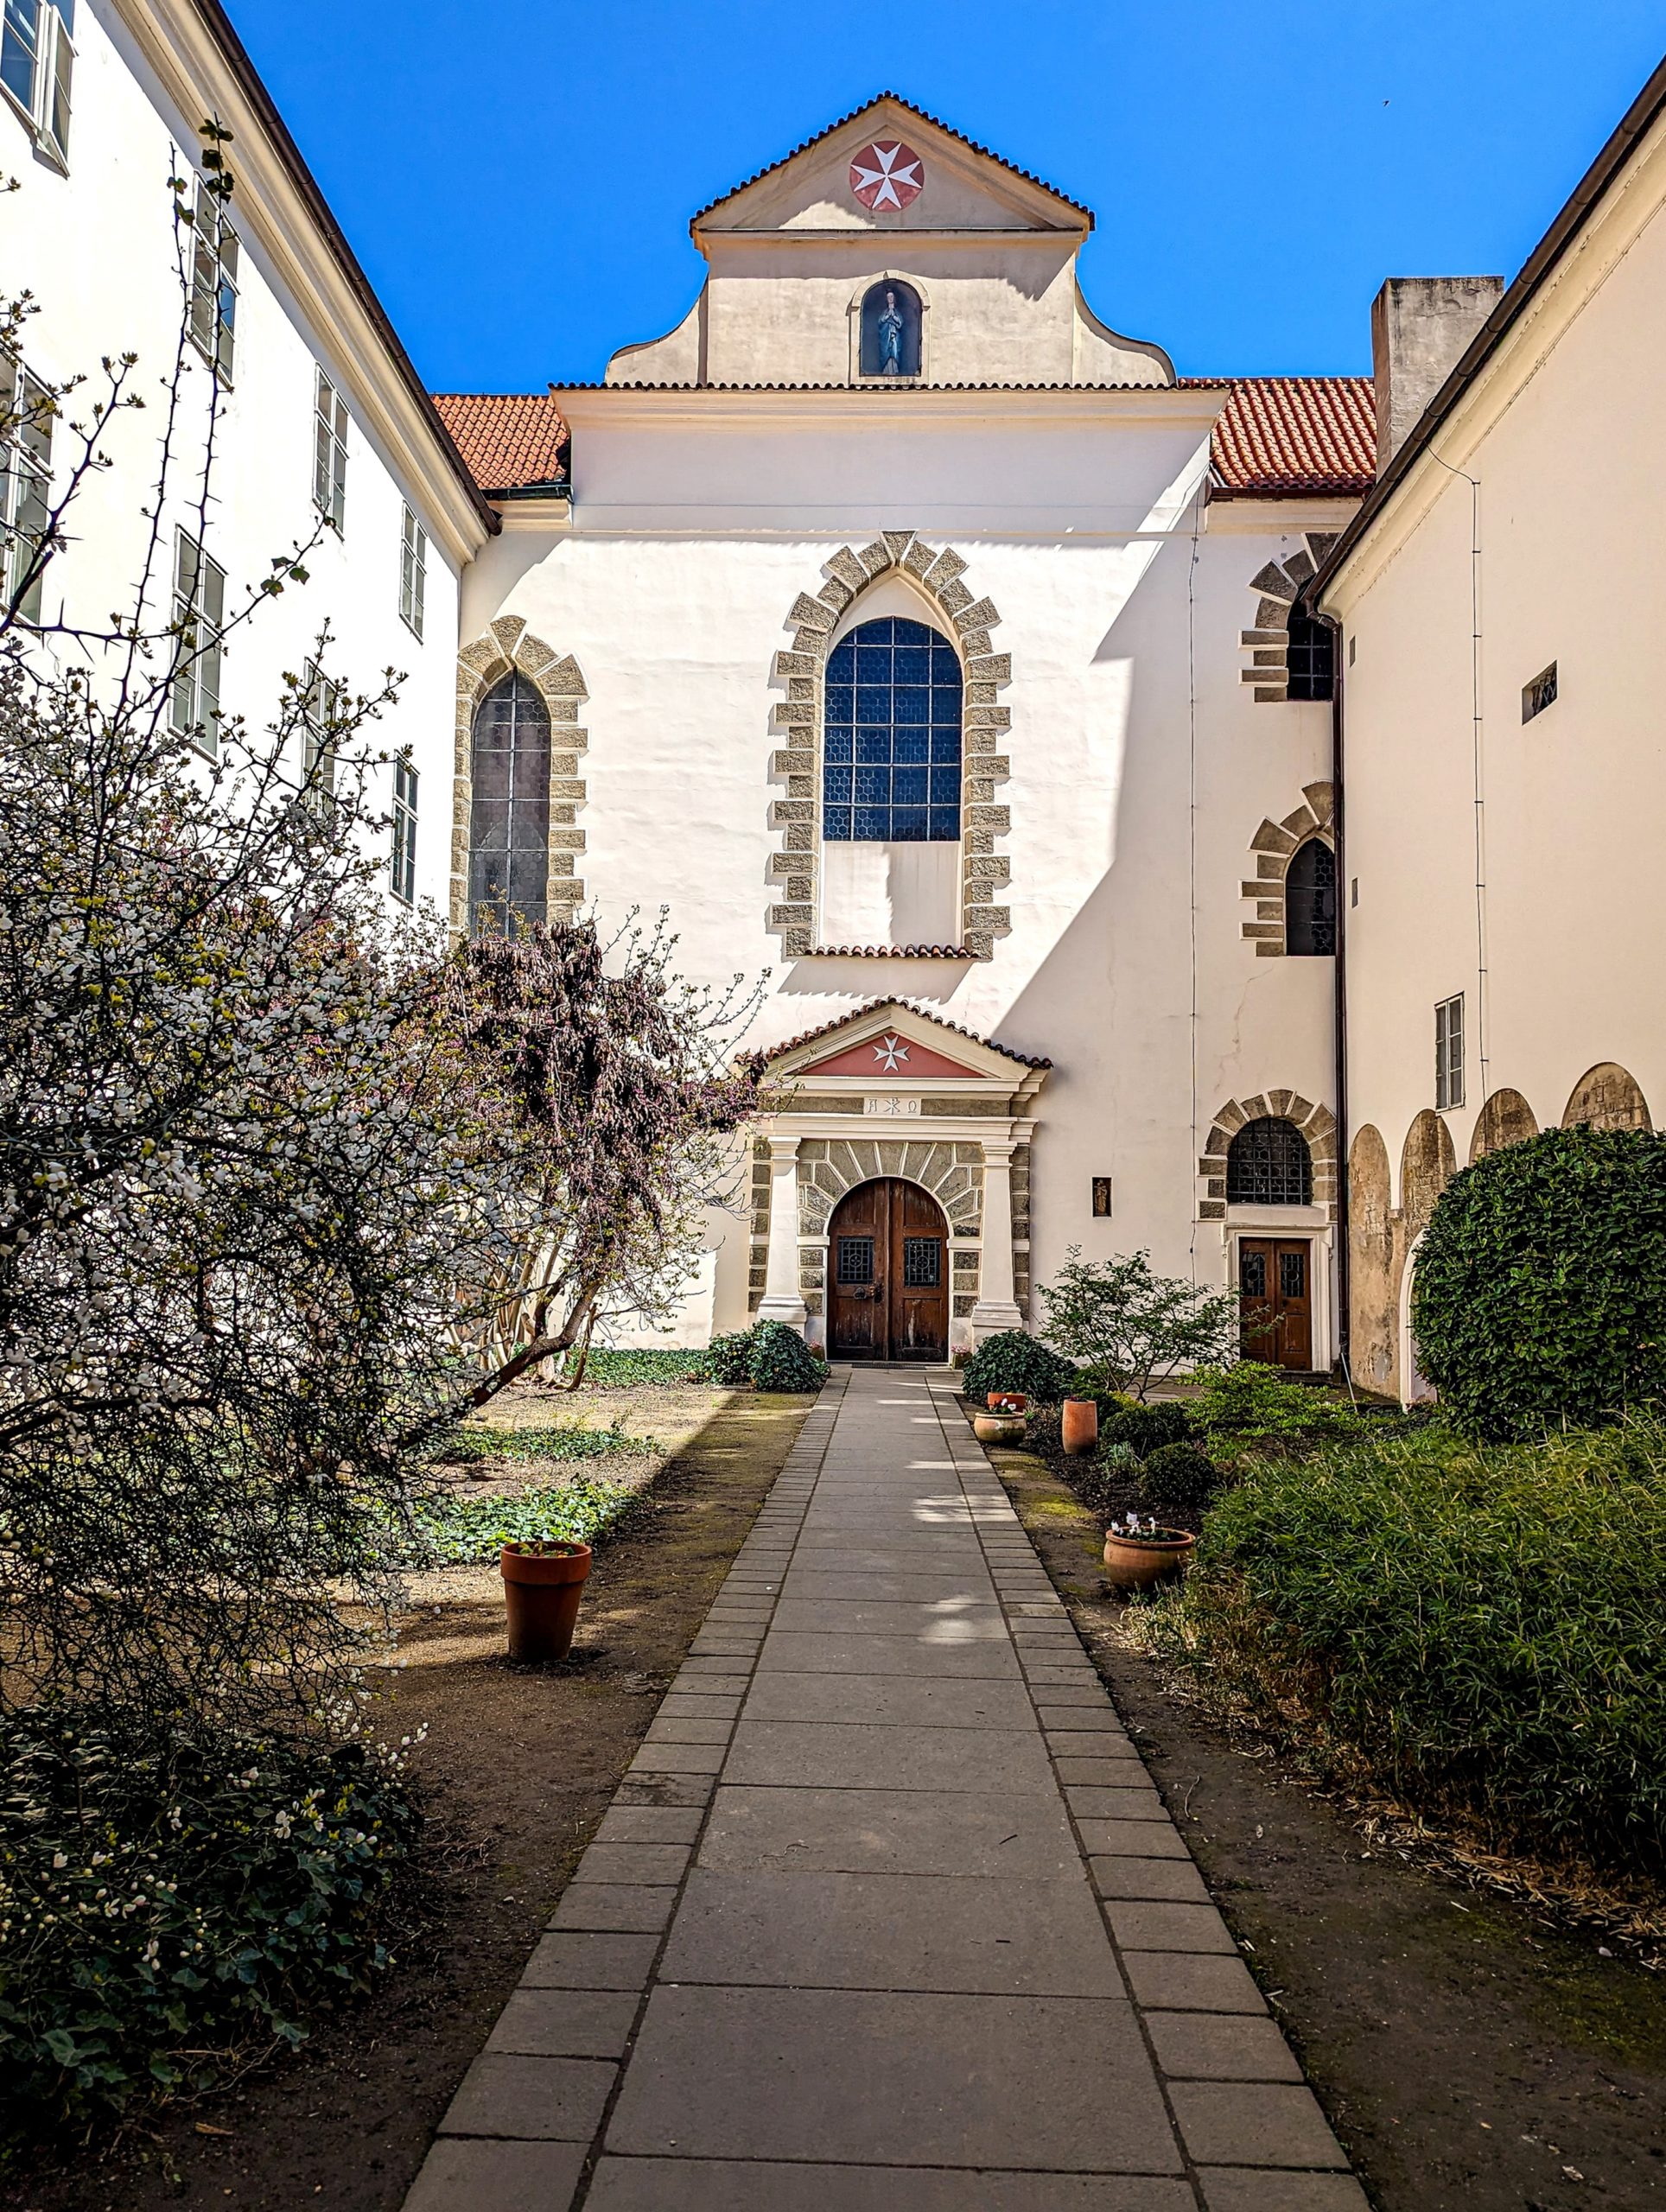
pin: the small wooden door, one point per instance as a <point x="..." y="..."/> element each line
<point x="1275" y="1279"/>
<point x="888" y="1274"/>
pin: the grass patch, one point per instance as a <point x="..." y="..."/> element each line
<point x="1474" y="1629"/>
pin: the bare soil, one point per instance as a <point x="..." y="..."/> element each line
<point x="517" y="1767"/>
<point x="1472" y="2057"/>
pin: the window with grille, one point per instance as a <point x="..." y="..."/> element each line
<point x="329" y="452"/>
<point x="198" y="619"/>
<point x="213" y="281"/>
<point x="413" y="572"/>
<point x="25" y="486"/>
<point x="891" y="741"/>
<point x="509" y="813"/>
<point x="1310" y="657"/>
<point x="922" y="1263"/>
<point x="1252" y="1273"/>
<point x="1293" y="1274"/>
<point x="1310" y="900"/>
<point x="1267" y="1164"/>
<point x="404" y="831"/>
<point x="1449" y="1053"/>
<point x="856" y="1260"/>
<point x="36" y="59"/>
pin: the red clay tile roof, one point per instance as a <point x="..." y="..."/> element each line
<point x="507" y="438"/>
<point x="936" y="123"/>
<point x="1276" y="436"/>
<point x="1283" y="434"/>
<point x="774" y="1052"/>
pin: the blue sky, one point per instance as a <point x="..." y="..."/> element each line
<point x="517" y="177"/>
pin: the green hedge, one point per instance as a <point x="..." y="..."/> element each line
<point x="1476" y="1630"/>
<point x="1540" y="1294"/>
<point x="1011" y="1359"/>
<point x="766" y="1357"/>
<point x="172" y="1908"/>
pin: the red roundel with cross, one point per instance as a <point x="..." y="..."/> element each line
<point x="888" y="175"/>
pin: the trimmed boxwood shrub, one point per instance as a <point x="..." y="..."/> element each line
<point x="1540" y="1294"/>
<point x="1180" y="1476"/>
<point x="1474" y="1629"/>
<point x="1012" y="1360"/>
<point x="1147" y="1428"/>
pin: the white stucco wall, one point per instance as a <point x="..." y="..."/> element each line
<point x="1565" y="442"/>
<point x="696" y="525"/>
<point x="96" y="247"/>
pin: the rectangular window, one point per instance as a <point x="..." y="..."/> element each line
<point x="213" y="281"/>
<point x="404" y="831"/>
<point x="413" y="572"/>
<point x="1540" y="693"/>
<point x="329" y="452"/>
<point x="36" y="58"/>
<point x="198" y="619"/>
<point x="321" y="706"/>
<point x="25" y="484"/>
<point x="1449" y="1053"/>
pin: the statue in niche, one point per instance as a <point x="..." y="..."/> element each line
<point x="891" y="330"/>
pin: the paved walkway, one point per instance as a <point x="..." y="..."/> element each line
<point x="887" y="1916"/>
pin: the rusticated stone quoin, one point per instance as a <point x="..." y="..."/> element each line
<point x="798" y="716"/>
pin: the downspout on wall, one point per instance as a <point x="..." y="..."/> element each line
<point x="1344" y="891"/>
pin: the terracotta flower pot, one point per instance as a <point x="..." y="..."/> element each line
<point x="1078" y="1427"/>
<point x="1135" y="1562"/>
<point x="1008" y="1402"/>
<point x="541" y="1594"/>
<point x="998" y="1428"/>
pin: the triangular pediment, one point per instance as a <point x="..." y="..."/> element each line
<point x="925" y="178"/>
<point x="892" y="1044"/>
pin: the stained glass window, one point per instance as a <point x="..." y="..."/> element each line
<point x="509" y="816"/>
<point x="891" y="742"/>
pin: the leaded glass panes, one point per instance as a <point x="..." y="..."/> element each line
<point x="1267" y="1164"/>
<point x="1310" y="900"/>
<point x="509" y="814"/>
<point x="891" y="741"/>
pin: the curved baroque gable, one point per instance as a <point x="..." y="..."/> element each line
<point x="800" y="669"/>
<point x="508" y="646"/>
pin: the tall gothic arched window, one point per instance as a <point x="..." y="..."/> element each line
<point x="1310" y="900"/>
<point x="509" y="816"/>
<point x="1267" y="1164"/>
<point x="890" y="329"/>
<point x="891" y="735"/>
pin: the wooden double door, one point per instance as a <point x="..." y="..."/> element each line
<point x="1275" y="1283"/>
<point x="887" y="1275"/>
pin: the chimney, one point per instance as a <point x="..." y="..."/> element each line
<point x="1421" y="326"/>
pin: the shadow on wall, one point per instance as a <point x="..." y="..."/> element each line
<point x="1382" y="1238"/>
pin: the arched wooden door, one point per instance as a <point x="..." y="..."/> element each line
<point x="888" y="1274"/>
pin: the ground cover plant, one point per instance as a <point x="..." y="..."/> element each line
<point x="1540" y="1292"/>
<point x="1470" y="1628"/>
<point x="481" y="1441"/>
<point x="622" y="1370"/>
<point x="468" y="1530"/>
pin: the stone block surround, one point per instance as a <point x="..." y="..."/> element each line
<point x="509" y="647"/>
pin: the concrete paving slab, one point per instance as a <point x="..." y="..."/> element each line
<point x="890" y="1701"/>
<point x="1056" y="2083"/>
<point x="591" y="1962"/>
<point x="817" y="1586"/>
<point x="1213" y="2047"/>
<point x="994" y="1836"/>
<point x="1258" y="2124"/>
<point x="859" y="1754"/>
<point x="1144" y="1927"/>
<point x="469" y="2177"/>
<point x="1143" y="1839"/>
<point x="532" y="2099"/>
<point x="798" y="1653"/>
<point x="565" y="2023"/>
<point x="1191" y="1981"/>
<point x="607" y="1861"/>
<point x="726" y="2185"/>
<point x="1172" y="1881"/>
<point x="947" y="1620"/>
<point x="891" y="1931"/>
<point x="649" y="1824"/>
<point x="613" y="1908"/>
<point x="1230" y="2188"/>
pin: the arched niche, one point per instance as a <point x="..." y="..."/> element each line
<point x="1370" y="1263"/>
<point x="1428" y="1164"/>
<point x="1608" y="1098"/>
<point x="1505" y="1119"/>
<point x="891" y="331"/>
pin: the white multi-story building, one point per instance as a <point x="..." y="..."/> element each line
<point x="322" y="427"/>
<point x="916" y="638"/>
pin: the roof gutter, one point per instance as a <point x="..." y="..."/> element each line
<point x="1638" y="119"/>
<point x="235" y="54"/>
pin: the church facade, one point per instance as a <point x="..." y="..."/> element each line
<point x="1162" y="808"/>
<point x="915" y="636"/>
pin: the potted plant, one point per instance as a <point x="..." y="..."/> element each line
<point x="1078" y="1426"/>
<point x="998" y="1427"/>
<point x="1139" y="1553"/>
<point x="543" y="1583"/>
<point x="1008" y="1402"/>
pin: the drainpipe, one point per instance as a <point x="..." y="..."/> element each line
<point x="1344" y="893"/>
